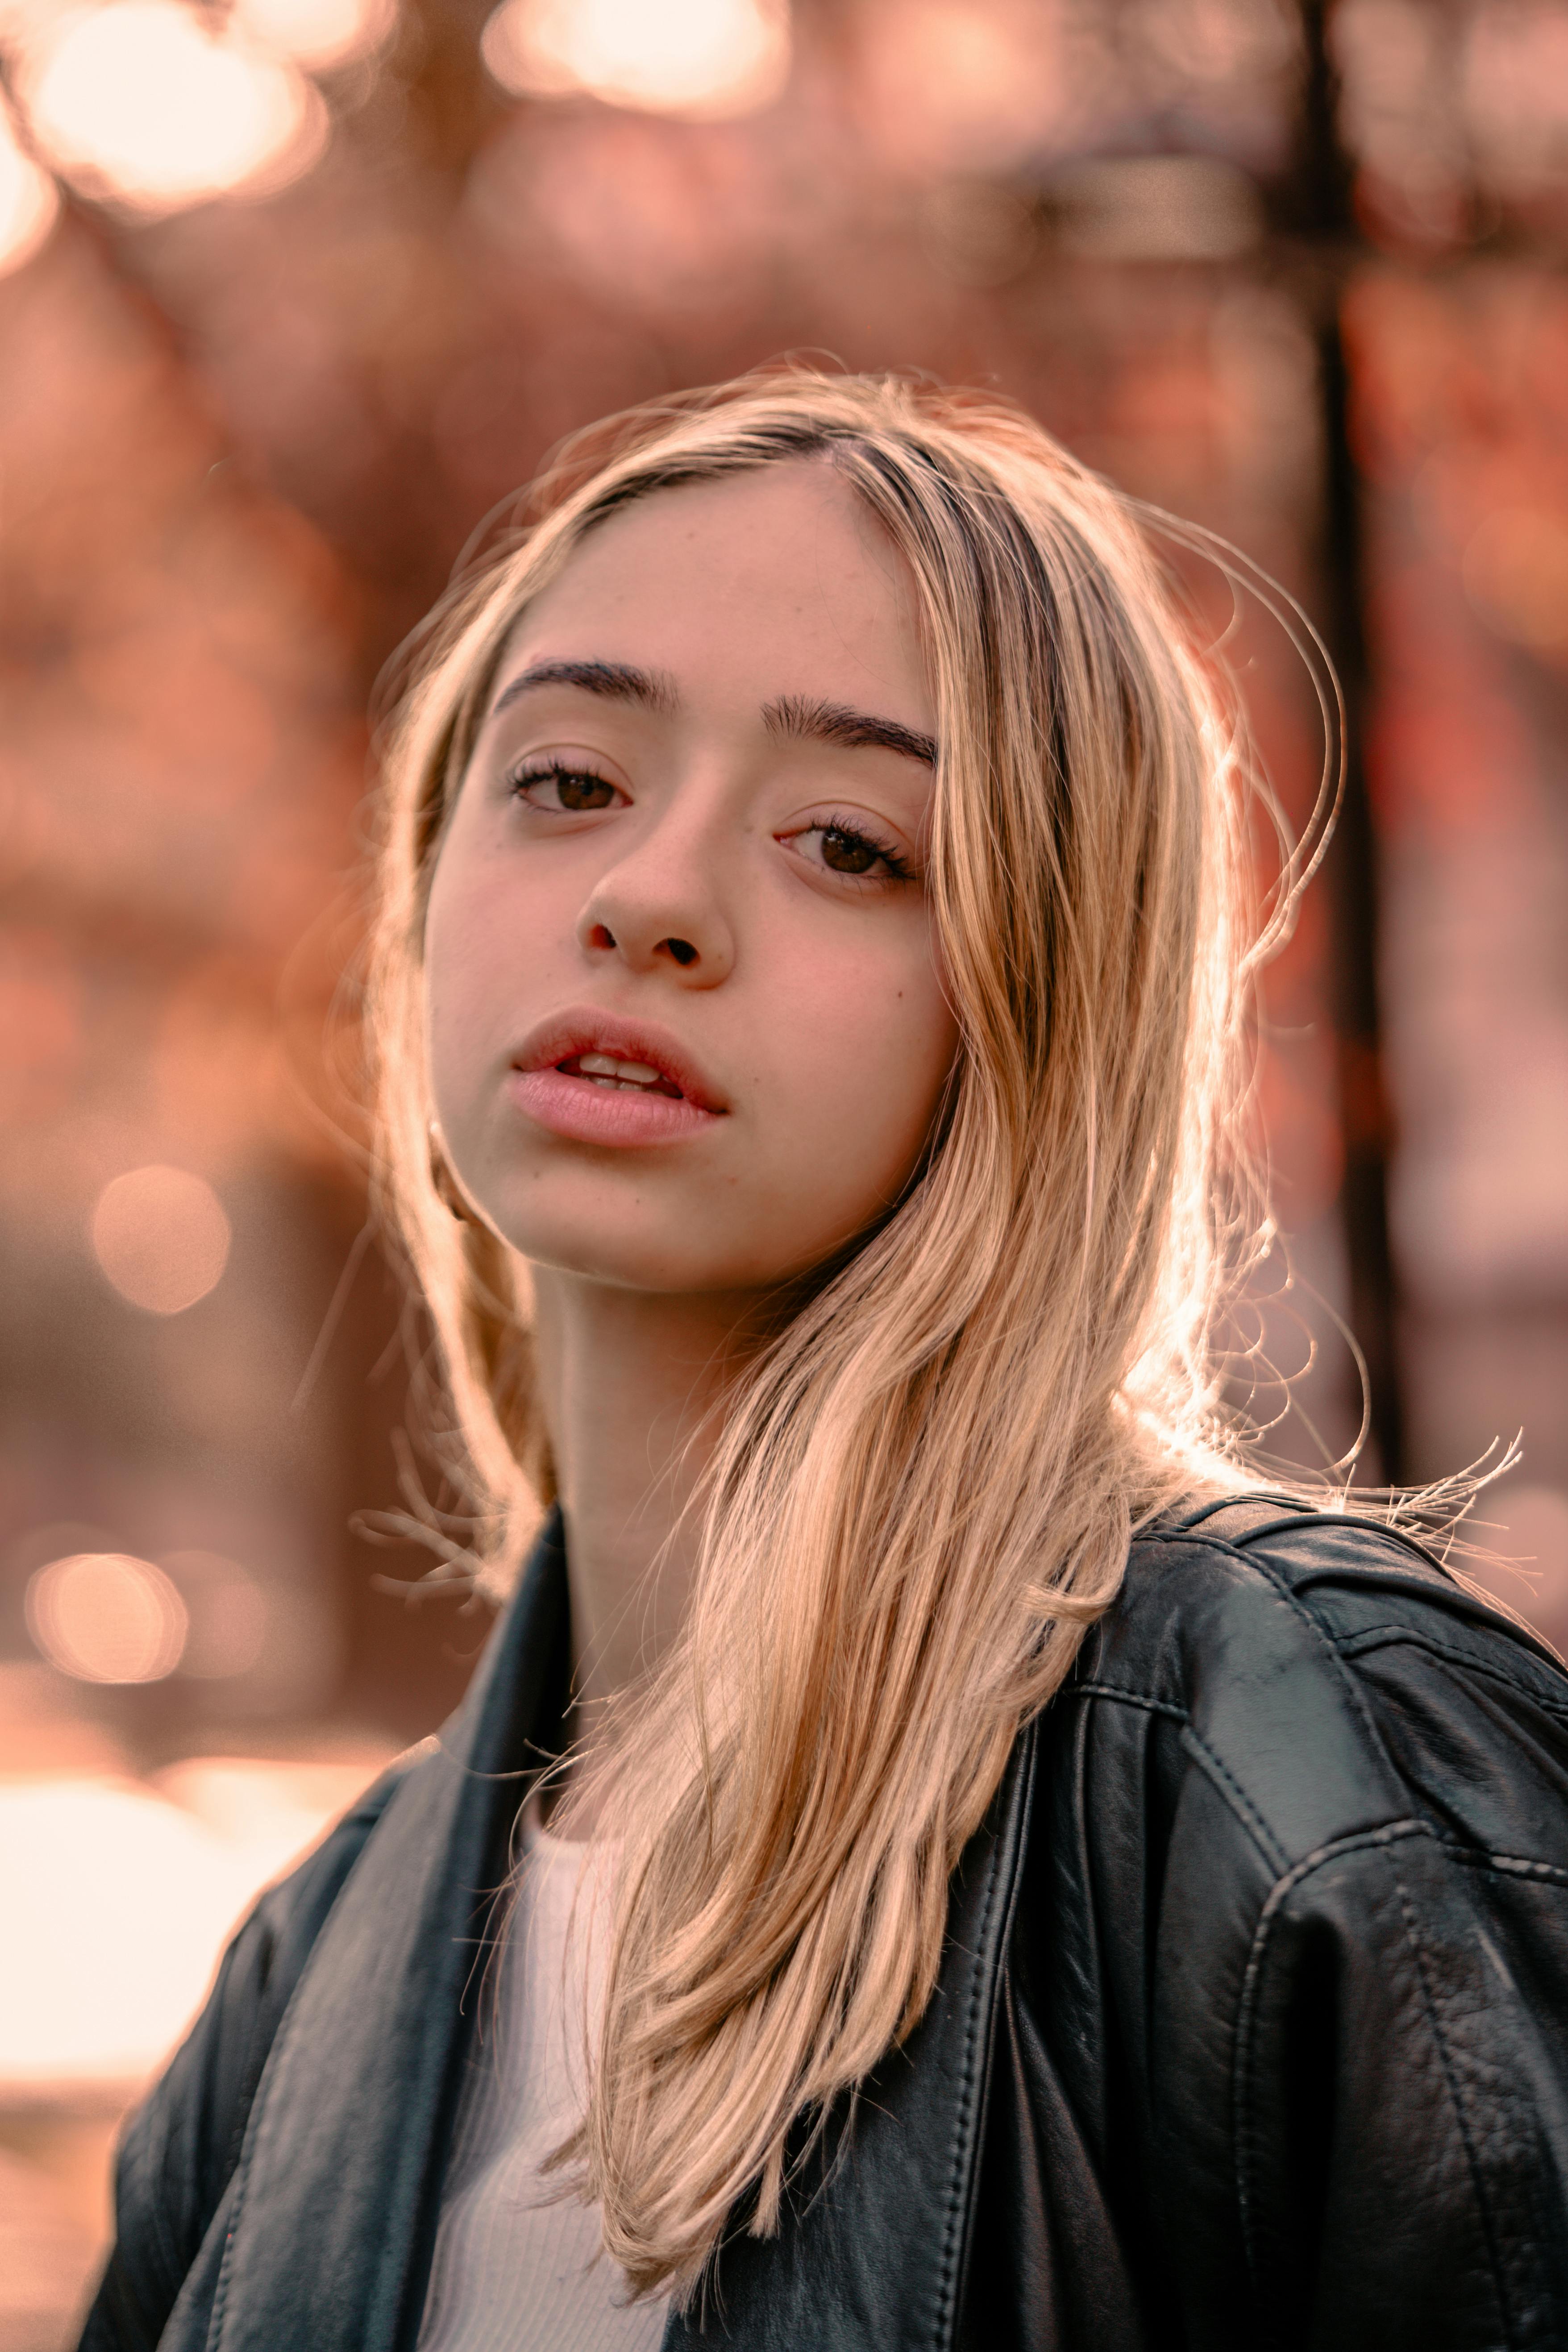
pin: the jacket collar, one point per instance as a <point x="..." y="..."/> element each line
<point x="338" y="2192"/>
<point x="339" y="2180"/>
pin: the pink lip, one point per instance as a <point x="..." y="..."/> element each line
<point x="580" y="1111"/>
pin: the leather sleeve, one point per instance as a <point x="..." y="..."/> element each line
<point x="182" y="2143"/>
<point x="1400" y="2111"/>
<point x="1285" y="2065"/>
<point x="1361" y="2079"/>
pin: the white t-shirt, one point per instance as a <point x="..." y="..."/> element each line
<point x="512" y="2273"/>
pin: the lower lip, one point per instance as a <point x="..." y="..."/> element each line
<point x="620" y="1117"/>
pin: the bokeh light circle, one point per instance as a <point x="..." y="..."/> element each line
<point x="106" y="1617"/>
<point x="139" y="101"/>
<point x="316" y="34"/>
<point x="703" y="57"/>
<point x="162" y="1238"/>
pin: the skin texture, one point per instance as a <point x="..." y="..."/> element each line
<point x="679" y="866"/>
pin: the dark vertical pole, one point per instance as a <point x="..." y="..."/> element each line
<point x="1318" y="198"/>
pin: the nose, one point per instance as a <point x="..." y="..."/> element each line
<point x="658" y="907"/>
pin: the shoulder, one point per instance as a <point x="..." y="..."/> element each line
<point x="1298" y="1857"/>
<point x="1330" y="1679"/>
<point x="269" y="1949"/>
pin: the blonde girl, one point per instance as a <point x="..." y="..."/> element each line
<point x="931" y="1856"/>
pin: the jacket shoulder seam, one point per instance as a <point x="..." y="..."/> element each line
<point x="1370" y="1637"/>
<point x="1343" y="1649"/>
<point x="1254" y="1564"/>
<point x="1309" y="1617"/>
<point x="1249" y="1542"/>
<point x="1225" y="1781"/>
<point x="1292" y="1520"/>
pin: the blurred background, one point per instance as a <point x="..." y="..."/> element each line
<point x="291" y="292"/>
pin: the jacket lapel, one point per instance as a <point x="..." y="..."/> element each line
<point x="332" y="2210"/>
<point x="335" y="2201"/>
<point x="876" y="2250"/>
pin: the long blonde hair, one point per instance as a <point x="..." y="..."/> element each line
<point x="925" y="1486"/>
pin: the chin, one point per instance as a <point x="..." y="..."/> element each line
<point x="624" y="1260"/>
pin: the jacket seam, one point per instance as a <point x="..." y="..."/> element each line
<point x="1353" y="1690"/>
<point x="1278" y="1893"/>
<point x="1505" y="1865"/>
<point x="985" y="1978"/>
<point x="153" y="2204"/>
<point x="220" y="2292"/>
<point x="1439" y="1581"/>
<point x="1308" y="1617"/>
<point x="947" y="2270"/>
<point x="1126" y="1698"/>
<point x="255" y="2065"/>
<point x="1455" y="2096"/>
<point x="1285" y="1507"/>
<point x="1381" y="1839"/>
<point x="1369" y="1636"/>
<point x="1334" y="1521"/>
<point x="1236" y="1796"/>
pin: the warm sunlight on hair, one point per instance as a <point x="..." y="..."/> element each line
<point x="1040" y="1307"/>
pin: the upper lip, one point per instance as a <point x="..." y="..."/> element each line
<point x="581" y="1031"/>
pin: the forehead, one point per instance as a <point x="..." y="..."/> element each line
<point x="780" y="572"/>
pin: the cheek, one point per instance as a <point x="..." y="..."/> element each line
<point x="453" y="959"/>
<point x="475" y="936"/>
<point x="872" y="1050"/>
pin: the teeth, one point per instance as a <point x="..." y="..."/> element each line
<point x="605" y="1069"/>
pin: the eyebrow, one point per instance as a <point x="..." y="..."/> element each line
<point x="800" y="717"/>
<point x="617" y="680"/>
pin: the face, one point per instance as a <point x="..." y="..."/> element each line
<point x="686" y="1027"/>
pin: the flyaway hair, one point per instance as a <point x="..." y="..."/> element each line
<point x="926" y="1485"/>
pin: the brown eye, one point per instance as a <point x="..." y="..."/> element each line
<point x="848" y="852"/>
<point x="564" y="792"/>
<point x="840" y="847"/>
<point x="585" y="791"/>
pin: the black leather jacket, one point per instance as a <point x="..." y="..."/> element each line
<point x="1252" y="2029"/>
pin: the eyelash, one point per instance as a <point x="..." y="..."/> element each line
<point x="852" y="830"/>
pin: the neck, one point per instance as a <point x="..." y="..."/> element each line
<point x="632" y="1386"/>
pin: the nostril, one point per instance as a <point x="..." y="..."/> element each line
<point x="601" y="936"/>
<point x="681" y="949"/>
